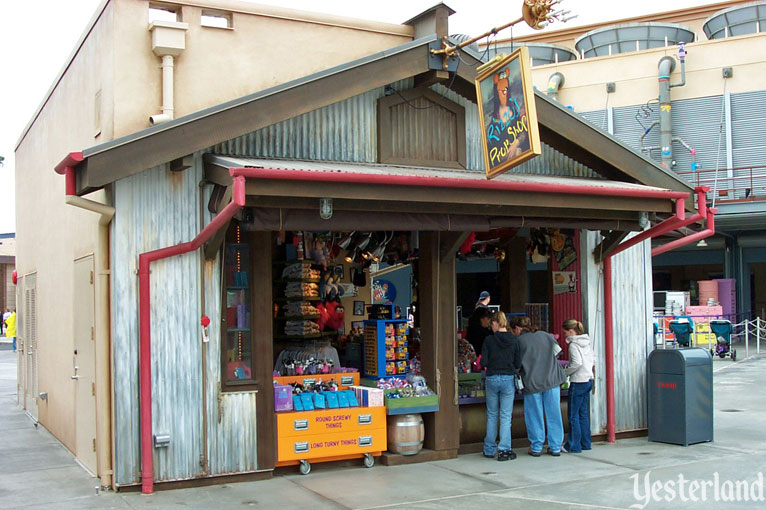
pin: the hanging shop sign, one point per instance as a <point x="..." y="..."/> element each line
<point x="507" y="113"/>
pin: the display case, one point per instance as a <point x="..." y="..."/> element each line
<point x="237" y="346"/>
<point x="386" y="348"/>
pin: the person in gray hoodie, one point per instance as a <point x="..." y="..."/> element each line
<point x="542" y="376"/>
<point x="580" y="372"/>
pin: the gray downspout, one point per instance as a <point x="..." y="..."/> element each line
<point x="666" y="66"/>
<point x="555" y="82"/>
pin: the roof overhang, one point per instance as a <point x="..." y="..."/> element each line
<point x="467" y="197"/>
<point x="559" y="128"/>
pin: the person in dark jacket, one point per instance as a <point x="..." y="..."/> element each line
<point x="478" y="328"/>
<point x="501" y="355"/>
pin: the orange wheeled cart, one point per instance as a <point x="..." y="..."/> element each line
<point x="330" y="434"/>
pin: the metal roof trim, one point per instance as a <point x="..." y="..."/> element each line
<point x="338" y="167"/>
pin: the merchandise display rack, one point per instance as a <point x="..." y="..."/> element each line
<point x="236" y="309"/>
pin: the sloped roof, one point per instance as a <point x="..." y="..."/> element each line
<point x="559" y="128"/>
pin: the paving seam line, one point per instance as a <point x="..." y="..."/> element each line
<point x="321" y="496"/>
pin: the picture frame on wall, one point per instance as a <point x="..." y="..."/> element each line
<point x="507" y="114"/>
<point x="338" y="272"/>
<point x="358" y="308"/>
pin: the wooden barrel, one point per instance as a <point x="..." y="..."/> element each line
<point x="405" y="433"/>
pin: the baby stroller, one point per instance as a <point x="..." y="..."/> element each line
<point x="682" y="329"/>
<point x="721" y="328"/>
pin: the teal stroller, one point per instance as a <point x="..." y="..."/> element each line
<point x="682" y="329"/>
<point x="721" y="328"/>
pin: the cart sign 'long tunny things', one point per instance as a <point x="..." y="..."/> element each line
<point x="507" y="113"/>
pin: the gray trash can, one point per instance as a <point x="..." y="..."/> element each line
<point x="680" y="396"/>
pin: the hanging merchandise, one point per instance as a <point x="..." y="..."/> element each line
<point x="563" y="248"/>
<point x="538" y="245"/>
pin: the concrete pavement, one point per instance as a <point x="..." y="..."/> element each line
<point x="37" y="472"/>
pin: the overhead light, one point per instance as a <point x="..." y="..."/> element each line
<point x="325" y="208"/>
<point x="702" y="244"/>
<point x="365" y="241"/>
<point x="352" y="255"/>
<point x="346" y="241"/>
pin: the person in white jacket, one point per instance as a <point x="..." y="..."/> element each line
<point x="580" y="372"/>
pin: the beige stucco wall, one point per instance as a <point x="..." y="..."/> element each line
<point x="114" y="72"/>
<point x="260" y="51"/>
<point x="51" y="234"/>
<point x="635" y="73"/>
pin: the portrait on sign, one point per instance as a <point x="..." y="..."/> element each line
<point x="507" y="113"/>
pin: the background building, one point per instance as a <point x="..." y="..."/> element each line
<point x="610" y="74"/>
<point x="7" y="266"/>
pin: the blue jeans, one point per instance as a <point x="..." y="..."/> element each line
<point x="579" y="416"/>
<point x="549" y="403"/>
<point x="499" y="390"/>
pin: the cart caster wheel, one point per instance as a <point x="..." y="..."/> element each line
<point x="369" y="460"/>
<point x="734" y="355"/>
<point x="305" y="467"/>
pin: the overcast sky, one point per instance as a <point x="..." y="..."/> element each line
<point x="37" y="37"/>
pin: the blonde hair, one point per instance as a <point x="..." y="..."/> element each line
<point x="501" y="319"/>
<point x="575" y="325"/>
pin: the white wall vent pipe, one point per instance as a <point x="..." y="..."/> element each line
<point x="168" y="41"/>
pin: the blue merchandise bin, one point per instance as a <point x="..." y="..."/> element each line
<point x="378" y="354"/>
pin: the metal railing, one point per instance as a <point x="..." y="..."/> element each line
<point x="742" y="184"/>
<point x="744" y="332"/>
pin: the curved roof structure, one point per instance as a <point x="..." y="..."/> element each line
<point x="631" y="37"/>
<point x="739" y="20"/>
<point x="541" y="53"/>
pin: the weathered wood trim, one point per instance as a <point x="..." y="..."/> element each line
<point x="450" y="243"/>
<point x="608" y="245"/>
<point x="478" y="197"/>
<point x="437" y="301"/>
<point x="385" y="122"/>
<point x="442" y="208"/>
<point x="263" y="353"/>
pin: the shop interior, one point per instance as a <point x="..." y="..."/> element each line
<point x="346" y="321"/>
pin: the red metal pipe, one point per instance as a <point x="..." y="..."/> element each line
<point x="709" y="231"/>
<point x="67" y="168"/>
<point x="677" y="221"/>
<point x="609" y="351"/>
<point x="450" y="182"/>
<point x="144" y="310"/>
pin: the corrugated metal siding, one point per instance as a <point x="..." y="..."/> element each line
<point x="631" y="294"/>
<point x="568" y="305"/>
<point x="348" y="131"/>
<point x="231" y="424"/>
<point x="550" y="162"/>
<point x="474" y="159"/>
<point x="598" y="118"/>
<point x="156" y="209"/>
<point x="748" y="113"/>
<point x="343" y="131"/>
<point x="698" y="122"/>
<point x="423" y="130"/>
